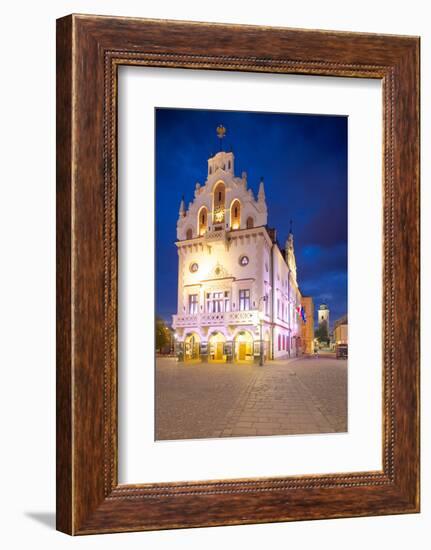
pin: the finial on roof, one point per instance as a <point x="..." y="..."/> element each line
<point x="221" y="131"/>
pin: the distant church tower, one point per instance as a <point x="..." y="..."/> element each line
<point x="323" y="316"/>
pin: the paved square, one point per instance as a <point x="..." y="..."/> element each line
<point x="297" y="396"/>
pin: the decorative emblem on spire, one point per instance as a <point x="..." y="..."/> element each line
<point x="221" y="131"/>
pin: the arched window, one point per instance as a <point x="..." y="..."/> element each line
<point x="189" y="233"/>
<point x="219" y="203"/>
<point x="203" y="221"/>
<point x="235" y="214"/>
<point x="250" y="222"/>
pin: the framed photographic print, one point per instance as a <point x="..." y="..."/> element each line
<point x="237" y="274"/>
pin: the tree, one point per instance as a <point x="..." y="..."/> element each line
<point x="163" y="334"/>
<point x="322" y="333"/>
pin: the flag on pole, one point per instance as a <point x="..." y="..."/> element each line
<point x="301" y="313"/>
<point x="304" y="317"/>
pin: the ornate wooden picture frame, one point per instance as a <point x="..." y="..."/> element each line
<point x="89" y="51"/>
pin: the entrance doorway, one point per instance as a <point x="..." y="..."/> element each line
<point x="244" y="347"/>
<point x="216" y="347"/>
<point x="191" y="347"/>
<point x="266" y="346"/>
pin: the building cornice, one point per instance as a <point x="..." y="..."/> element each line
<point x="229" y="235"/>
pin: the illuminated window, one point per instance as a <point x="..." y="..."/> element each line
<point x="244" y="299"/>
<point x="217" y="302"/>
<point x="235" y="214"/>
<point x="193" y="304"/>
<point x="203" y="221"/>
<point x="226" y="301"/>
<point x="219" y="203"/>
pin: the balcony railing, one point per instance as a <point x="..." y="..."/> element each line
<point x="249" y="317"/>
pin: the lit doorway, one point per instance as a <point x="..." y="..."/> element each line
<point x="244" y="347"/>
<point x="191" y="347"/>
<point x="266" y="346"/>
<point x="216" y="347"/>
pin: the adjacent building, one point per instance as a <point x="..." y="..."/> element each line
<point x="307" y="328"/>
<point x="341" y="331"/>
<point x="238" y="294"/>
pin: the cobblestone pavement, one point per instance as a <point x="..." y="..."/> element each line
<point x="297" y="396"/>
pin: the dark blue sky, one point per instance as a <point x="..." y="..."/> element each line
<point x="303" y="159"/>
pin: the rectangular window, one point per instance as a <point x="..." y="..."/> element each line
<point x="193" y="304"/>
<point x="244" y="299"/>
<point x="279" y="342"/>
<point x="226" y="301"/>
<point x="217" y="302"/>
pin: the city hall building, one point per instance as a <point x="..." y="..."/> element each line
<point x="238" y="295"/>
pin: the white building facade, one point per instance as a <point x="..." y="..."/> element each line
<point x="238" y="295"/>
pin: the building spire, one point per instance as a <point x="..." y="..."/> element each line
<point x="289" y="242"/>
<point x="289" y="251"/>
<point x="261" y="194"/>
<point x="182" y="211"/>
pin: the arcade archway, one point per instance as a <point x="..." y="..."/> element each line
<point x="216" y="346"/>
<point x="244" y="347"/>
<point x="191" y="346"/>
